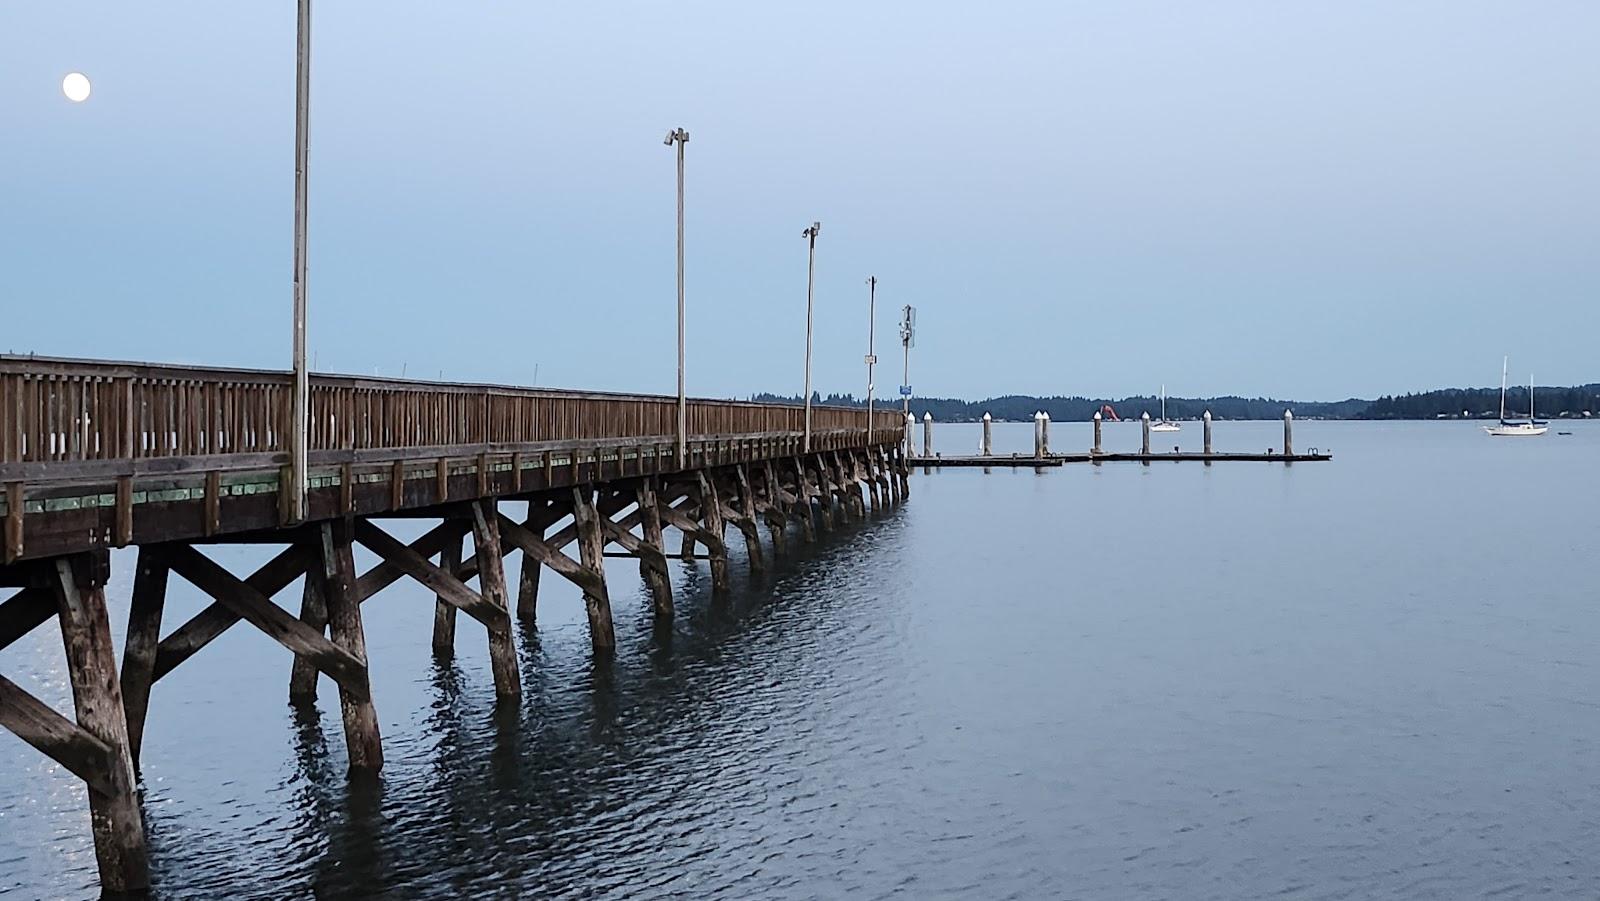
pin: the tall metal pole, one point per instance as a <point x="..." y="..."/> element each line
<point x="300" y="409"/>
<point x="680" y="137"/>
<point x="872" y="358"/>
<point x="907" y="334"/>
<point x="811" y="268"/>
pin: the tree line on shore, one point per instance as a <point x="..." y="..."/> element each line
<point x="1579" y="401"/>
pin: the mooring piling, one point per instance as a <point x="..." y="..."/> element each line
<point x="1205" y="430"/>
<point x="927" y="434"/>
<point x="1097" y="423"/>
<point x="1288" y="433"/>
<point x="1038" y="434"/>
<point x="911" y="435"/>
<point x="987" y="448"/>
<point x="1144" y="422"/>
<point x="1044" y="433"/>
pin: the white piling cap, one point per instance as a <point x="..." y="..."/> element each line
<point x="927" y="417"/>
<point x="910" y="418"/>
<point x="1145" y="416"/>
<point x="1038" y="415"/>
<point x="1045" y="414"/>
<point x="1287" y="414"/>
<point x="1097" y="416"/>
<point x="1207" y="416"/>
<point x="986" y="417"/>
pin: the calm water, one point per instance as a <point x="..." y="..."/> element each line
<point x="1370" y="678"/>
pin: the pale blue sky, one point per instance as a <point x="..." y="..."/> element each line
<point x="1307" y="200"/>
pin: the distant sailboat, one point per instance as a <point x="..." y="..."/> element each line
<point x="1164" y="424"/>
<point x="1510" y="428"/>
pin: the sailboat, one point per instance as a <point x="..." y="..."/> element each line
<point x="1164" y="424"/>
<point x="1516" y="428"/>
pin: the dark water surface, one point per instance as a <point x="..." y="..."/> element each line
<point x="1373" y="678"/>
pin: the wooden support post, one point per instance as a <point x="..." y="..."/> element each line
<point x="528" y="580"/>
<point x="927" y="434"/>
<point x="444" y="612"/>
<point x="891" y="494"/>
<point x="144" y="637"/>
<point x="1097" y="423"/>
<point x="986" y="446"/>
<point x="871" y="465"/>
<point x="115" y="818"/>
<point x="1144" y="422"/>
<point x="802" y="493"/>
<point x="492" y="585"/>
<point x="656" y="578"/>
<point x="314" y="613"/>
<point x="711" y="516"/>
<point x="124" y="512"/>
<point x="823" y="492"/>
<point x="905" y="475"/>
<point x="591" y="550"/>
<point x="13" y="530"/>
<point x="747" y="519"/>
<point x="338" y="572"/>
<point x="1288" y="432"/>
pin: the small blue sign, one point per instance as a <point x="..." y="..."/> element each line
<point x="905" y="390"/>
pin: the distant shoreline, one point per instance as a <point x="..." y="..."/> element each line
<point x="1475" y="404"/>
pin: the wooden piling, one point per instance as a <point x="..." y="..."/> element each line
<point x="314" y="613"/>
<point x="492" y="586"/>
<point x="143" y="640"/>
<point x="1044" y="433"/>
<point x="1288" y="433"/>
<point x="747" y="524"/>
<point x="444" y="612"/>
<point x="1144" y="424"/>
<point x="591" y="551"/>
<point x="115" y="818"/>
<point x="1038" y="434"/>
<point x="1097" y="423"/>
<point x="650" y="524"/>
<point x="711" y="517"/>
<point x="528" y="576"/>
<point x="927" y="434"/>
<point x="1205" y="431"/>
<point x="362" y="742"/>
<point x="802" y="504"/>
<point x="986" y="447"/>
<point x="910" y="442"/>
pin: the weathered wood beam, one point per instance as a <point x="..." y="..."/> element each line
<point x="142" y="642"/>
<point x="23" y="612"/>
<point x="314" y="613"/>
<point x="257" y="609"/>
<point x="658" y="580"/>
<point x="409" y="559"/>
<point x="338" y="575"/>
<point x="711" y="515"/>
<point x="273" y="576"/>
<point x="492" y="580"/>
<point x="431" y="542"/>
<point x="444" y="612"/>
<point x="528" y="578"/>
<point x="114" y="815"/>
<point x="58" y="738"/>
<point x="545" y="553"/>
<point x="749" y="524"/>
<point x="591" y="547"/>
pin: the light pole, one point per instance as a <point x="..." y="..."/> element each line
<point x="872" y="358"/>
<point x="810" y="235"/>
<point x="300" y="402"/>
<point x="680" y="137"/>
<point x="908" y="337"/>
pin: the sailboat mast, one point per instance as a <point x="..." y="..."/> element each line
<point x="1163" y="403"/>
<point x="1505" y="363"/>
<point x="1530" y="398"/>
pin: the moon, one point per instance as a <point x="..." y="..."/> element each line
<point x="76" y="86"/>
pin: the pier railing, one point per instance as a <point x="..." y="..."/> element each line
<point x="60" y="410"/>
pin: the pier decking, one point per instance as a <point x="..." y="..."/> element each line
<point x="170" y="460"/>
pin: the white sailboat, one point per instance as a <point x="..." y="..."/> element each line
<point x="1513" y="428"/>
<point x="1164" y="424"/>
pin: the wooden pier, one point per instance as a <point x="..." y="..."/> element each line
<point x="1027" y="461"/>
<point x="170" y="460"/>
